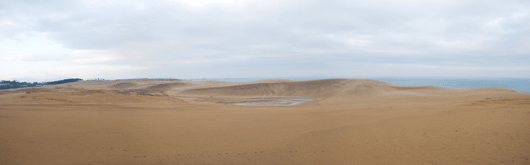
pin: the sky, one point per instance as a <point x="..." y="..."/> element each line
<point x="186" y="39"/>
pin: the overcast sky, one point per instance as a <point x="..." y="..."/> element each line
<point x="114" y="39"/>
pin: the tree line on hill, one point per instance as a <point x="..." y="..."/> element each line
<point x="6" y="84"/>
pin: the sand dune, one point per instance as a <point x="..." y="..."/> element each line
<point x="123" y="85"/>
<point x="315" y="88"/>
<point x="351" y="121"/>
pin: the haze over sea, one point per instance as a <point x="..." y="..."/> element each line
<point x="518" y="84"/>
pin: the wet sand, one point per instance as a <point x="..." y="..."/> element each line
<point x="350" y="122"/>
<point x="275" y="101"/>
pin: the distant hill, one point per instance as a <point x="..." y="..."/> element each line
<point x="6" y="84"/>
<point x="64" y="81"/>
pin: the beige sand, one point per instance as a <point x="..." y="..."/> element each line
<point x="352" y="121"/>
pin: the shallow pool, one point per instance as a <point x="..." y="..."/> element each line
<point x="278" y="101"/>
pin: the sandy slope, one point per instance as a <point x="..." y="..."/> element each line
<point x="352" y="121"/>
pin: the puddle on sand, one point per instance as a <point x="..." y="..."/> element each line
<point x="279" y="101"/>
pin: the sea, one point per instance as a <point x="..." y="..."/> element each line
<point x="518" y="84"/>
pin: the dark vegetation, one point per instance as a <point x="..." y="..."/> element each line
<point x="6" y="84"/>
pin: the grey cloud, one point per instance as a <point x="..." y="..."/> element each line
<point x="306" y="33"/>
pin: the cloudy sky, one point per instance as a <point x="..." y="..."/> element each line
<point x="114" y="39"/>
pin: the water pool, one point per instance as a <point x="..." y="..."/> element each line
<point x="276" y="101"/>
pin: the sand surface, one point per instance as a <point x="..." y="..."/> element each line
<point x="351" y="121"/>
